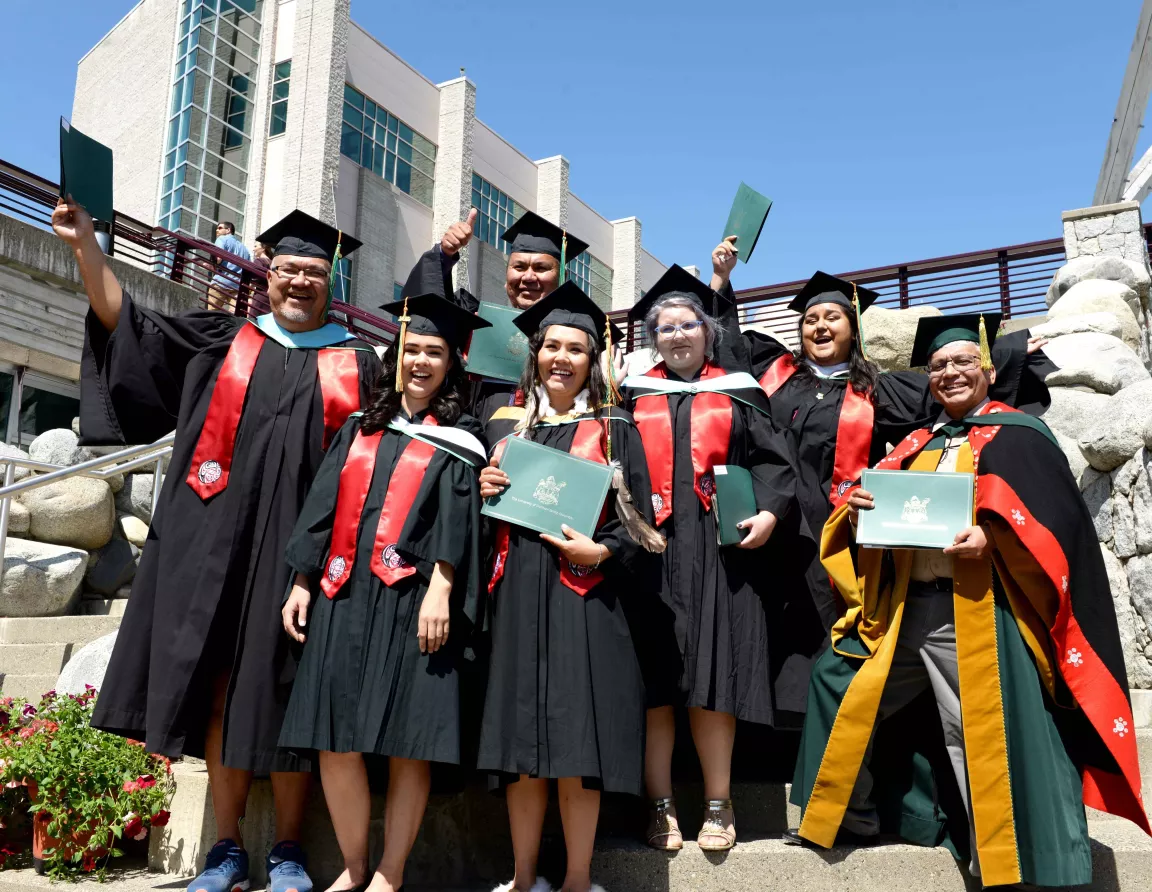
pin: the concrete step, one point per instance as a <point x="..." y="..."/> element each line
<point x="33" y="659"/>
<point x="102" y="606"/>
<point x="75" y="630"/>
<point x="30" y="687"/>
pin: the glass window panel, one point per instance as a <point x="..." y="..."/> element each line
<point x="405" y="132"/>
<point x="222" y="170"/>
<point x="392" y="123"/>
<point x="279" y="121"/>
<point x="165" y="207"/>
<point x="403" y="175"/>
<point x="42" y="410"/>
<point x="170" y="161"/>
<point x="366" y="154"/>
<point x="353" y="97"/>
<point x="230" y="196"/>
<point x="284" y="69"/>
<point x="422" y="188"/>
<point x="404" y="150"/>
<point x="350" y="143"/>
<point x="369" y="108"/>
<point x="280" y="90"/>
<point x="423" y="145"/>
<point x="206" y="228"/>
<point x="378" y="162"/>
<point x="353" y="116"/>
<point x="391" y="142"/>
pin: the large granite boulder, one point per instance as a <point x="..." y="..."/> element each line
<point x="111" y="567"/>
<point x="40" y="579"/>
<point x="78" y="511"/>
<point x="1104" y="266"/>
<point x="136" y="496"/>
<point x="1114" y="436"/>
<point x="1101" y="362"/>
<point x="87" y="666"/>
<point x="889" y="335"/>
<point x="14" y="452"/>
<point x="132" y="528"/>
<point x="19" y="520"/>
<point x="54" y="447"/>
<point x="1073" y="411"/>
<point x="1102" y="296"/>
<point x="1077" y="463"/>
<point x="1100" y="323"/>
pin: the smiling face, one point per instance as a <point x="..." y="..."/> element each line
<point x="564" y="361"/>
<point x="298" y="291"/>
<point x="958" y="389"/>
<point x="425" y="363"/>
<point x="682" y="351"/>
<point x="531" y="277"/>
<point x="826" y="334"/>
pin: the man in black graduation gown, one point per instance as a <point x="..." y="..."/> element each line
<point x="201" y="666"/>
<point x="534" y="271"/>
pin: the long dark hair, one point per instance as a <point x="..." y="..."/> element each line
<point x="446" y="407"/>
<point x="597" y="384"/>
<point x="863" y="374"/>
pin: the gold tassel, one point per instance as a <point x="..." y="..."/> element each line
<point x="985" y="351"/>
<point x="404" y="320"/>
<point x="859" y="320"/>
<point x="563" y="257"/>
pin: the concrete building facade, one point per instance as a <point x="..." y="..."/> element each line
<point x="242" y="110"/>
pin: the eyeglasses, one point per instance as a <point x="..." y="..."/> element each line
<point x="667" y="331"/>
<point x="965" y="362"/>
<point x="313" y="275"/>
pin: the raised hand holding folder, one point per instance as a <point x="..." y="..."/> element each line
<point x="746" y="219"/>
<point x="86" y="172"/>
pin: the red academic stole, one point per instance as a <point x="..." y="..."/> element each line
<point x="711" y="432"/>
<point x="212" y="458"/>
<point x="588" y="444"/>
<point x="853" y="430"/>
<point x="355" y="479"/>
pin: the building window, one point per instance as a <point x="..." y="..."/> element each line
<point x="280" y="80"/>
<point x="497" y="212"/>
<point x="593" y="277"/>
<point x="374" y="138"/>
<point x="397" y="291"/>
<point x="205" y="175"/>
<point x="343" y="290"/>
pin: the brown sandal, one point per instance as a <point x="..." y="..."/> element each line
<point x="714" y="834"/>
<point x="664" y="827"/>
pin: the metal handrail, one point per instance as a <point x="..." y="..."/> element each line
<point x="102" y="467"/>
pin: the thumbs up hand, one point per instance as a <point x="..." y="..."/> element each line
<point x="458" y="235"/>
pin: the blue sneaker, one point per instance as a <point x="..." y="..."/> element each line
<point x="286" y="873"/>
<point x="225" y="870"/>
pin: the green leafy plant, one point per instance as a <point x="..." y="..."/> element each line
<point x="87" y="790"/>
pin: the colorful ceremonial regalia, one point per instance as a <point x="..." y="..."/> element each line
<point x="382" y="511"/>
<point x="1044" y="722"/>
<point x="254" y="408"/>
<point x="705" y="642"/>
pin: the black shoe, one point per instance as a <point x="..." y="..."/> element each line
<point x="843" y="838"/>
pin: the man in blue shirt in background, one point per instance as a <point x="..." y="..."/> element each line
<point x="226" y="282"/>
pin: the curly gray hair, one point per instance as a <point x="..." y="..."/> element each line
<point x="674" y="299"/>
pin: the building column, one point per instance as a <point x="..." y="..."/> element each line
<point x="625" y="263"/>
<point x="552" y="190"/>
<point x="374" y="263"/>
<point x="1106" y="229"/>
<point x="692" y="269"/>
<point x="316" y="100"/>
<point x="452" y="196"/>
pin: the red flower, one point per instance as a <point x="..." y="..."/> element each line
<point x="145" y="781"/>
<point x="131" y="786"/>
<point x="89" y="862"/>
<point x="134" y="826"/>
<point x="160" y="819"/>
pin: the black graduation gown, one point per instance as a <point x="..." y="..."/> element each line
<point x="706" y="641"/>
<point x="362" y="683"/>
<point x="565" y="696"/>
<point x="208" y="591"/>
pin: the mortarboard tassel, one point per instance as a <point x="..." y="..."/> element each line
<point x="985" y="351"/>
<point x="334" y="276"/>
<point x="404" y="320"/>
<point x="563" y="258"/>
<point x="859" y="320"/>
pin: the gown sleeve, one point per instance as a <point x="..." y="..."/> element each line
<point x="628" y="556"/>
<point x="770" y="464"/>
<point x="432" y="274"/>
<point x="132" y="378"/>
<point x="1020" y="375"/>
<point x="311" y="537"/>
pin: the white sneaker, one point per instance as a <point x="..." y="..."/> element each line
<point x="596" y="888"/>
<point x="541" y="885"/>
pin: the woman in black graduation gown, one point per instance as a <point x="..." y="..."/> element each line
<point x="565" y="697"/>
<point x="387" y="590"/>
<point x="704" y="644"/>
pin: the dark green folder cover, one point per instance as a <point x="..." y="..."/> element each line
<point x="500" y="351"/>
<point x="86" y="171"/>
<point x="734" y="500"/>
<point x="915" y="509"/>
<point x="549" y="488"/>
<point x="746" y="219"/>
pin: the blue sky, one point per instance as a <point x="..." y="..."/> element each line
<point x="885" y="131"/>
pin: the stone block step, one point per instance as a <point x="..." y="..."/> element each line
<point x="33" y="659"/>
<point x="30" y="687"/>
<point x="76" y="630"/>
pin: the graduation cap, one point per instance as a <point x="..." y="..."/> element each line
<point x="431" y="314"/>
<point x="679" y="282"/>
<point x="825" y="289"/>
<point x="532" y="234"/>
<point x="302" y="235"/>
<point x="934" y="332"/>
<point x="568" y="306"/>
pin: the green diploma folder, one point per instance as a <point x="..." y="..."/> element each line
<point x="86" y="172"/>
<point x="746" y="219"/>
<point x="733" y="500"/>
<point x="915" y="509"/>
<point x="549" y="488"/>
<point x="500" y="351"/>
